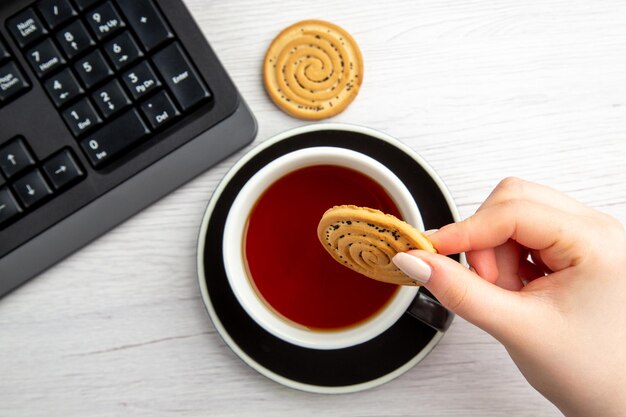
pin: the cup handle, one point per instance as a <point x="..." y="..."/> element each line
<point x="428" y="310"/>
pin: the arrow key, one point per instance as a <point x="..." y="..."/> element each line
<point x="31" y="188"/>
<point x="14" y="157"/>
<point x="8" y="206"/>
<point x="62" y="169"/>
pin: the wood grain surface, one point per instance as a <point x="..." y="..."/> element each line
<point x="481" y="89"/>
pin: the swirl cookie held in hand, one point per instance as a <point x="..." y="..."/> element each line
<point x="365" y="240"/>
<point x="313" y="69"/>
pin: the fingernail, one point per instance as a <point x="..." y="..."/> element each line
<point x="431" y="232"/>
<point x="414" y="267"/>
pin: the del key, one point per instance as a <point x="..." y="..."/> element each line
<point x="180" y="76"/>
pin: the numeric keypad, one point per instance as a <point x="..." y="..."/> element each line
<point x="109" y="66"/>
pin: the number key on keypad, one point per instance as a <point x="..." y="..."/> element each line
<point x="81" y="117"/>
<point x="111" y="98"/>
<point x="92" y="69"/>
<point x="63" y="87"/>
<point x="114" y="138"/>
<point x="74" y="39"/>
<point x="123" y="50"/>
<point x="141" y="80"/>
<point x="45" y="58"/>
<point x="105" y="20"/>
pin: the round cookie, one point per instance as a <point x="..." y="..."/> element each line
<point x="366" y="239"/>
<point x="313" y="69"/>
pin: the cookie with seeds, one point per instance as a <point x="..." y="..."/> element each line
<point x="313" y="69"/>
<point x="366" y="240"/>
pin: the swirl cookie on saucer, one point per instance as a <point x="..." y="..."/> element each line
<point x="313" y="69"/>
<point x="366" y="240"/>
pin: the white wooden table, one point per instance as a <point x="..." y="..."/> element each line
<point x="481" y="89"/>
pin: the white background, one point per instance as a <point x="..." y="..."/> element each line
<point x="481" y="89"/>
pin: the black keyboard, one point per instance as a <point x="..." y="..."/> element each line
<point x="105" y="106"/>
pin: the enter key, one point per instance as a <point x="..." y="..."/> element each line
<point x="180" y="77"/>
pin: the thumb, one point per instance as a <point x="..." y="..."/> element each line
<point x="463" y="292"/>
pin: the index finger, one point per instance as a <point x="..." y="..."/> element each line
<point x="530" y="224"/>
<point x="512" y="188"/>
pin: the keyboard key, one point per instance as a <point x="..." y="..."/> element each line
<point x="111" y="98"/>
<point x="93" y="68"/>
<point x="63" y="87"/>
<point x="107" y="143"/>
<point x="141" y="80"/>
<point x="145" y="18"/>
<point x="45" y="58"/>
<point x="180" y="76"/>
<point x="62" y="169"/>
<point x="85" y="4"/>
<point x="4" y="52"/>
<point x="15" y="157"/>
<point x="26" y="27"/>
<point x="12" y="81"/>
<point x="74" y="39"/>
<point x="31" y="188"/>
<point x="104" y="20"/>
<point x="81" y="117"/>
<point x="56" y="12"/>
<point x="123" y="50"/>
<point x="159" y="110"/>
<point x="9" y="208"/>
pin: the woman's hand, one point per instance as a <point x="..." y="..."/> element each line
<point x="548" y="280"/>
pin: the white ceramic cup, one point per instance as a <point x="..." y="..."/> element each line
<point x="413" y="302"/>
<point x="234" y="258"/>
